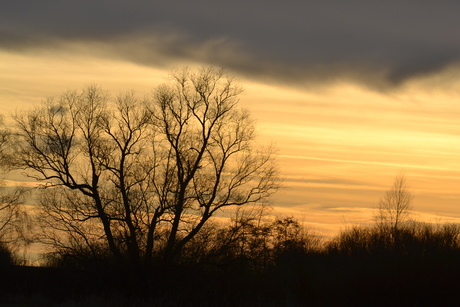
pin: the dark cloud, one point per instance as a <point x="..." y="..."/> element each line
<point x="379" y="43"/>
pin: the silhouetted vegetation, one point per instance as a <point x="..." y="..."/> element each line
<point x="267" y="263"/>
<point x="131" y="190"/>
<point x="133" y="176"/>
<point x="6" y="256"/>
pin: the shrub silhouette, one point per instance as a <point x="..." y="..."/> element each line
<point x="6" y="256"/>
<point x="276" y="262"/>
<point x="366" y="263"/>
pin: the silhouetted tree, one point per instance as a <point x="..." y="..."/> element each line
<point x="208" y="160"/>
<point x="133" y="169"/>
<point x="13" y="219"/>
<point x="395" y="206"/>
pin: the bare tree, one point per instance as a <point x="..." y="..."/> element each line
<point x="395" y="206"/>
<point x="209" y="161"/>
<point x="13" y="218"/>
<point x="90" y="154"/>
<point x="131" y="170"/>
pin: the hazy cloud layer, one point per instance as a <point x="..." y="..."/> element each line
<point x="379" y="43"/>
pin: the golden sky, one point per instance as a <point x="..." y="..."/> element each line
<point x="351" y="92"/>
<point x="340" y="144"/>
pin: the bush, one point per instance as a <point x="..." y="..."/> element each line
<point x="6" y="256"/>
<point x="413" y="238"/>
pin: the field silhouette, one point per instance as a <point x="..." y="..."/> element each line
<point x="361" y="266"/>
<point x="127" y="206"/>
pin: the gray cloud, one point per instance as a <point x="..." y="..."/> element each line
<point x="296" y="42"/>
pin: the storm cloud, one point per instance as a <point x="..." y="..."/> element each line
<point x="380" y="44"/>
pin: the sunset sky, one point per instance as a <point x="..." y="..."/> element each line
<point x="350" y="92"/>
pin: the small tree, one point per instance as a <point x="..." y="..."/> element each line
<point x="395" y="206"/>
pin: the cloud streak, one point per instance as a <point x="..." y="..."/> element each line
<point x="394" y="165"/>
<point x="379" y="44"/>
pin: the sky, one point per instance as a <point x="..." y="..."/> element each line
<point x="350" y="92"/>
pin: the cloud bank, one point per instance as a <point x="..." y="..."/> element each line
<point x="379" y="44"/>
